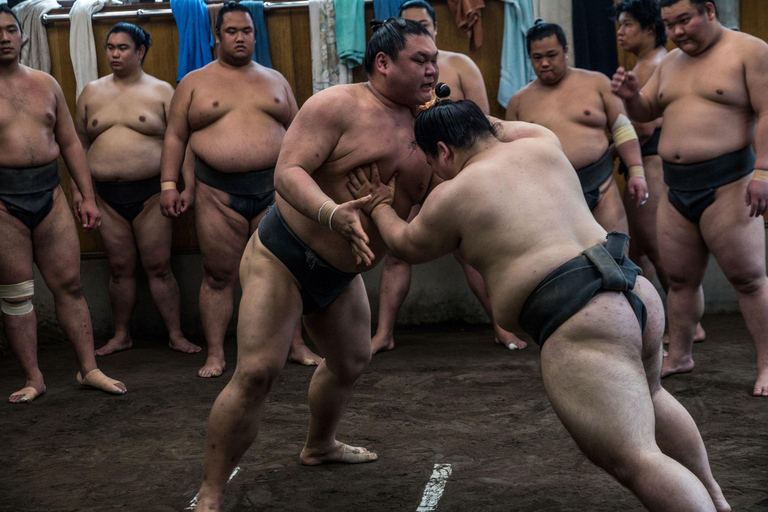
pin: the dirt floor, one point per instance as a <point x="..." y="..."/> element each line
<point x="445" y="395"/>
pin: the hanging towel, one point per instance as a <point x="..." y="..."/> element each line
<point x="326" y="68"/>
<point x="385" y="9"/>
<point x="35" y="53"/>
<point x="468" y="14"/>
<point x="516" y="70"/>
<point x="213" y="12"/>
<point x="82" y="48"/>
<point x="261" y="53"/>
<point x="350" y="31"/>
<point x="195" y="37"/>
<point x="594" y="36"/>
<point x="559" y="12"/>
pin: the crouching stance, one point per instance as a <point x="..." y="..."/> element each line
<point x="567" y="284"/>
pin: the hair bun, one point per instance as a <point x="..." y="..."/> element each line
<point x="538" y="20"/>
<point x="376" y="24"/>
<point x="442" y="90"/>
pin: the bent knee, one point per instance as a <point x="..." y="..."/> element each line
<point x="352" y="367"/>
<point x="748" y="283"/>
<point x="219" y="280"/>
<point x="256" y="378"/>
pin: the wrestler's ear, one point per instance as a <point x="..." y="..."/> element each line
<point x="711" y="12"/>
<point x="381" y="61"/>
<point x="142" y="51"/>
<point x="444" y="154"/>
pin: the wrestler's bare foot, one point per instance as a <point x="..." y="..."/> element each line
<point x="761" y="385"/>
<point x="31" y="390"/>
<point x="699" y="336"/>
<point x="340" y="452"/>
<point x="508" y="339"/>
<point x="96" y="379"/>
<point x="671" y="365"/>
<point x="214" y="365"/>
<point x="208" y="505"/>
<point x="117" y="344"/>
<point x="382" y="343"/>
<point x="181" y="344"/>
<point x="301" y="354"/>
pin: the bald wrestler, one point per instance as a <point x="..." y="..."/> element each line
<point x="578" y="106"/>
<point x="641" y="32"/>
<point x="233" y="113"/>
<point x="121" y="120"/>
<point x="463" y="77"/>
<point x="712" y="91"/>
<point x="35" y="223"/>
<point x="300" y="258"/>
<point x="567" y="283"/>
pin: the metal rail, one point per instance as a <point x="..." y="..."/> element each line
<point x="48" y="19"/>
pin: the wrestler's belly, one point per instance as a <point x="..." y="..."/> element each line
<point x="329" y="245"/>
<point x="239" y="145"/>
<point x="695" y="130"/>
<point x="122" y="154"/>
<point x="27" y="147"/>
<point x="510" y="283"/>
<point x="582" y="145"/>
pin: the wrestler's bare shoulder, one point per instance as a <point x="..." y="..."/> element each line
<point x="342" y="104"/>
<point x="456" y="60"/>
<point x="37" y="79"/>
<point x="590" y="78"/>
<point x="747" y="47"/>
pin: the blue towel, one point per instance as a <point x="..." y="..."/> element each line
<point x="261" y="53"/>
<point x="384" y="9"/>
<point x="195" y="38"/>
<point x="516" y="70"/>
<point x="350" y="31"/>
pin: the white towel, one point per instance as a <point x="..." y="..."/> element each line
<point x="559" y="12"/>
<point x="35" y="53"/>
<point x="82" y="49"/>
<point x="326" y="68"/>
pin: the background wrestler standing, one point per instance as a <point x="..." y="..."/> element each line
<point x="233" y="113"/>
<point x="577" y="105"/>
<point x="463" y="77"/>
<point x="713" y="93"/>
<point x="121" y="120"/>
<point x="641" y="32"/>
<point x="35" y="223"/>
<point x="300" y="262"/>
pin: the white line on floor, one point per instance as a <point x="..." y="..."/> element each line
<point x="193" y="503"/>
<point x="435" y="487"/>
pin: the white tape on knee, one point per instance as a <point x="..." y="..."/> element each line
<point x="16" y="308"/>
<point x="17" y="291"/>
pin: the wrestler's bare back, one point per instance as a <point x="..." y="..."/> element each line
<point x="362" y="130"/>
<point x="714" y="86"/>
<point x="506" y="208"/>
<point x="28" y="115"/>
<point x="125" y="124"/>
<point x="574" y="109"/>
<point x="237" y="115"/>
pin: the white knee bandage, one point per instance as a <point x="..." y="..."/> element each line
<point x="17" y="291"/>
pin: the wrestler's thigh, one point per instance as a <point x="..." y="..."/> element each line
<point x="222" y="233"/>
<point x="57" y="246"/>
<point x="736" y="240"/>
<point x="270" y="308"/>
<point x="684" y="255"/>
<point x="596" y="383"/>
<point x="609" y="212"/>
<point x="154" y="234"/>
<point x="16" y="264"/>
<point x="652" y="353"/>
<point x="342" y="331"/>
<point x="117" y="235"/>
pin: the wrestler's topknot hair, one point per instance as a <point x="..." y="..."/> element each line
<point x="418" y="4"/>
<point x="389" y="37"/>
<point x="699" y="4"/>
<point x="456" y="123"/>
<point x="647" y="13"/>
<point x="5" y="9"/>
<point x="231" y="7"/>
<point x="542" y="29"/>
<point x="139" y="36"/>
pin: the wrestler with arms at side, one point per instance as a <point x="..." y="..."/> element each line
<point x="567" y="283"/>
<point x="299" y="262"/>
<point x="35" y="223"/>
